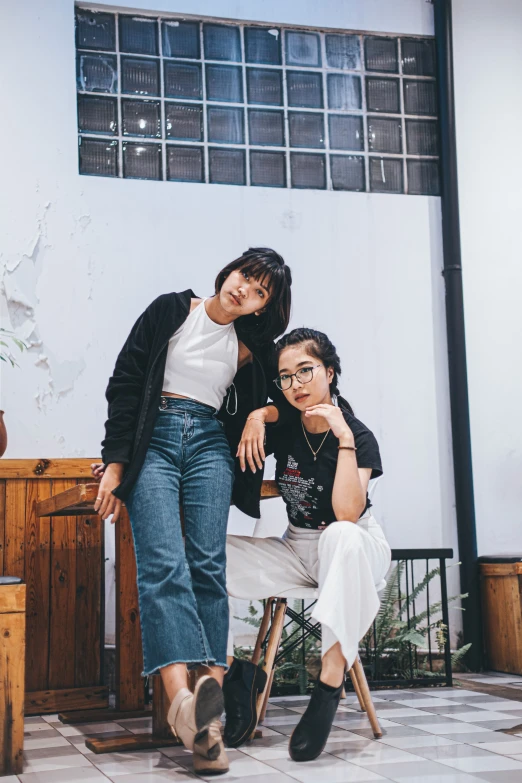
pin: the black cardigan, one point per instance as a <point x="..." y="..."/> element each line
<point x="135" y="387"/>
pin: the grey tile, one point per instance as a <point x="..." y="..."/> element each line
<point x="419" y="720"/>
<point x="496" y="737"/>
<point x="399" y="731"/>
<point x="497" y="725"/>
<point x="454" y="709"/>
<point x="444" y="752"/>
<point x="490" y="763"/>
<point x="46" y="753"/>
<point x="455" y="777"/>
<point x="474" y="737"/>
<point x="40" y="733"/>
<point x="503" y="776"/>
<point x="375" y="753"/>
<point x="52" y="763"/>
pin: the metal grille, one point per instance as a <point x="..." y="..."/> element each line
<point x="418" y="599"/>
<point x="302" y="97"/>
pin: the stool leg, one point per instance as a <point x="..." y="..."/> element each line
<point x="276" y="631"/>
<point x="263" y="630"/>
<point x="357" y="689"/>
<point x="365" y="691"/>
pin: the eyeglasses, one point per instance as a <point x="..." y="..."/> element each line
<point x="304" y="375"/>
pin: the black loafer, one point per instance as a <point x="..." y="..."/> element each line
<point x="311" y="733"/>
<point x="243" y="682"/>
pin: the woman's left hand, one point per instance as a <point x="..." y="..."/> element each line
<point x="334" y="418"/>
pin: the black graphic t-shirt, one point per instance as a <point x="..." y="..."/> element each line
<point x="307" y="485"/>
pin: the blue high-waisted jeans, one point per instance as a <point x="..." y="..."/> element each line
<point x="182" y="586"/>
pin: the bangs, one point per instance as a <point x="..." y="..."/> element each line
<point x="267" y="273"/>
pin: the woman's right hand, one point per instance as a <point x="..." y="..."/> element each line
<point x="107" y="503"/>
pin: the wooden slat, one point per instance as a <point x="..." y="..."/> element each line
<point x="500" y="569"/>
<point x="129" y="657"/>
<point x="14" y="555"/>
<point x="37" y="575"/>
<point x="269" y="489"/>
<point x="77" y="499"/>
<point x="102" y="716"/>
<point x="46" y="468"/>
<point x="90" y="568"/>
<point x="160" y="708"/>
<point x="135" y="742"/>
<point x="12" y="665"/>
<point x="12" y="599"/>
<point x="2" y="525"/>
<point x="39" y="702"/>
<point x="62" y="624"/>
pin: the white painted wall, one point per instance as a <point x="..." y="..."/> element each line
<point x="82" y="256"/>
<point x="488" y="75"/>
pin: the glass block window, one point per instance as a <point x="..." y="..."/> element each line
<point x="178" y="99"/>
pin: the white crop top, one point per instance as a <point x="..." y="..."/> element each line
<point x="202" y="359"/>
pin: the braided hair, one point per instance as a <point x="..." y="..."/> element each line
<point x="319" y="345"/>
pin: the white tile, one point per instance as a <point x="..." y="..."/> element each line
<point x="116" y="768"/>
<point x="46" y="742"/>
<point x="401" y="712"/>
<point x="82" y="775"/>
<point x="498" y="706"/>
<point x="242" y="769"/>
<point x="455" y="777"/>
<point x="487" y="764"/>
<point x="451" y="728"/>
<point x="326" y="769"/>
<point x="50" y="718"/>
<point x="264" y="754"/>
<point x="89" y="728"/>
<point x="407" y="743"/>
<point x="158" y="776"/>
<point x="480" y="716"/>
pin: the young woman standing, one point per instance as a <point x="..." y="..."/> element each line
<point x="170" y="437"/>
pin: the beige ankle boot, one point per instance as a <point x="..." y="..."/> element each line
<point x="210" y="757"/>
<point x="191" y="714"/>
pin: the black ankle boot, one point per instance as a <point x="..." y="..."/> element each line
<point x="242" y="683"/>
<point x="311" y="733"/>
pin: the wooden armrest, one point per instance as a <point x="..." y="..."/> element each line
<point x="73" y="502"/>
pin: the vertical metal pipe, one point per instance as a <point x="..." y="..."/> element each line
<point x="458" y="382"/>
<point x="445" y="620"/>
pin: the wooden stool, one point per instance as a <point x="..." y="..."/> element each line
<point x="271" y="629"/>
<point x="12" y="674"/>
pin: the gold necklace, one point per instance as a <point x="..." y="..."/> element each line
<point x="315" y="453"/>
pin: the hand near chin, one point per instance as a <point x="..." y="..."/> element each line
<point x="333" y="417"/>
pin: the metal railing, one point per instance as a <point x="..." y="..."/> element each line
<point x="388" y="657"/>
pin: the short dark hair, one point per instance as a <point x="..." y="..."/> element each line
<point x="320" y="346"/>
<point x="269" y="268"/>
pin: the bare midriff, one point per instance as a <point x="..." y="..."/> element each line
<point x="177" y="396"/>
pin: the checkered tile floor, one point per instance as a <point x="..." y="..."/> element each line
<point x="451" y="735"/>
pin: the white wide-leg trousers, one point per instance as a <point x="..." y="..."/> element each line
<point x="346" y="565"/>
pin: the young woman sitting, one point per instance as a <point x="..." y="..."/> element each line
<point x="325" y="458"/>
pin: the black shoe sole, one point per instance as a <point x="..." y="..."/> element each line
<point x="258" y="686"/>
